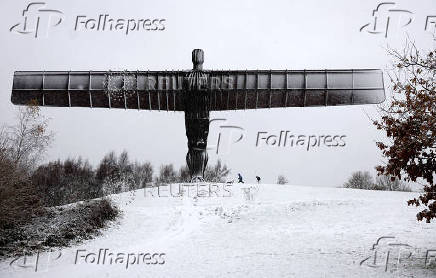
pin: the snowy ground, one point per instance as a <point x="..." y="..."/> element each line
<point x="286" y="231"/>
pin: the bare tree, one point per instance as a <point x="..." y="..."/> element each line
<point x="27" y="141"/>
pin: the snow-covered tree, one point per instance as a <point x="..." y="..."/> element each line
<point x="360" y="180"/>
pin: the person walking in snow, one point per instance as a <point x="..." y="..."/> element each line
<point x="258" y="179"/>
<point x="240" y="179"/>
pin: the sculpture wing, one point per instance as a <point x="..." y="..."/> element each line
<point x="147" y="90"/>
<point x="234" y="90"/>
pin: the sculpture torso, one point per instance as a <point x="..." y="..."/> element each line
<point x="196" y="102"/>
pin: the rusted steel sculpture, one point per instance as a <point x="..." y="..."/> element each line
<point x="197" y="92"/>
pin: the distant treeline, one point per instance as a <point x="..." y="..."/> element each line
<point x="61" y="182"/>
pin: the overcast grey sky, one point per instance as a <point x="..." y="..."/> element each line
<point x="234" y="35"/>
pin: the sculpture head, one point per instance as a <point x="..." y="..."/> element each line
<point x="197" y="59"/>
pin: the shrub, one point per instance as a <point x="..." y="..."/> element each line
<point x="364" y="180"/>
<point x="107" y="167"/>
<point x="143" y="174"/>
<point x="184" y="175"/>
<point x="115" y="174"/>
<point x="60" y="227"/>
<point x="19" y="202"/>
<point x="391" y="184"/>
<point x="98" y="212"/>
<point x="60" y="183"/>
<point x="118" y="174"/>
<point x="167" y="174"/>
<point x="217" y="173"/>
<point x="282" y="179"/>
<point x="360" y="180"/>
<point x="212" y="173"/>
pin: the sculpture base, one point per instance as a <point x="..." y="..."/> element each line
<point x="197" y="179"/>
<point x="197" y="160"/>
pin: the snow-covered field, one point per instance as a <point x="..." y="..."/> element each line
<point x="286" y="231"/>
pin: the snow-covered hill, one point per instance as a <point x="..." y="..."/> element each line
<point x="285" y="231"/>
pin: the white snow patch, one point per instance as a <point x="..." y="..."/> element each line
<point x="283" y="231"/>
